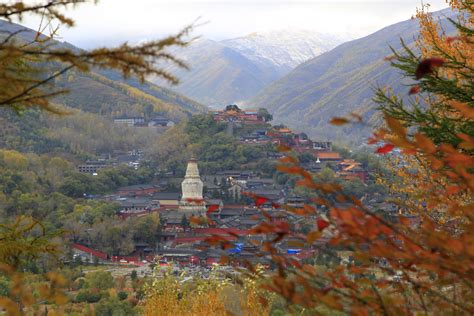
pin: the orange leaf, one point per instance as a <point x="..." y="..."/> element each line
<point x="309" y="269"/>
<point x="395" y="126"/>
<point x="339" y="121"/>
<point x="194" y="220"/>
<point x="454" y="245"/>
<point x="465" y="109"/>
<point x="425" y="143"/>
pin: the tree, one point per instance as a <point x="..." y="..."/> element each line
<point x="23" y="79"/>
<point x="134" y="275"/>
<point x="101" y="280"/>
<point x="264" y="114"/>
<point x="419" y="260"/>
<point x="113" y="307"/>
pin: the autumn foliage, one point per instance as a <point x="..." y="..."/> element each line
<point x="423" y="261"/>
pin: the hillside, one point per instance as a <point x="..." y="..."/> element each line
<point x="220" y="75"/>
<point x="339" y="82"/>
<point x="234" y="70"/>
<point x="101" y="91"/>
<point x="93" y="99"/>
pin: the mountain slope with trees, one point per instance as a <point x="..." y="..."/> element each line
<point x="234" y="70"/>
<point x="339" y="82"/>
<point x="100" y="91"/>
<point x="91" y="101"/>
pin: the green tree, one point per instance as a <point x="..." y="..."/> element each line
<point x="134" y="275"/>
<point x="264" y="114"/>
<point x="101" y="280"/>
<point x="113" y="307"/>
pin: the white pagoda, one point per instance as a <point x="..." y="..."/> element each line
<point x="192" y="201"/>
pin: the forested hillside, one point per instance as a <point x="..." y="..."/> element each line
<point x="91" y="101"/>
<point x="339" y="82"/>
<point x="100" y="90"/>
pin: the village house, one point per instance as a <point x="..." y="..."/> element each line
<point x="160" y="122"/>
<point x="137" y="205"/>
<point x="130" y="121"/>
<point x="322" y="146"/>
<point x="328" y="156"/>
<point x="92" y="166"/>
<point x="232" y="113"/>
<point x="350" y="169"/>
<point x="167" y="200"/>
<point x="138" y="190"/>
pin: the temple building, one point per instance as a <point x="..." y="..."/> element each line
<point x="192" y="201"/>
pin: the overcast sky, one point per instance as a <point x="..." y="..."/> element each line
<point x="113" y="21"/>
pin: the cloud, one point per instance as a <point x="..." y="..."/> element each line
<point x="114" y="21"/>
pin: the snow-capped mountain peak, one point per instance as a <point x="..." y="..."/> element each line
<point x="284" y="48"/>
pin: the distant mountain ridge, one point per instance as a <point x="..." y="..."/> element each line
<point x="234" y="70"/>
<point x="285" y="49"/>
<point x="339" y="82"/>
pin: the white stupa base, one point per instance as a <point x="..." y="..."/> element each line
<point x="197" y="210"/>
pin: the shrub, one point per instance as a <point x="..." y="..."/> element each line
<point x="122" y="295"/>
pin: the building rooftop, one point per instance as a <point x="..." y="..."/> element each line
<point x="166" y="196"/>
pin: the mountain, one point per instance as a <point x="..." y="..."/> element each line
<point x="234" y="70"/>
<point x="339" y="82"/>
<point x="93" y="99"/>
<point x="220" y="75"/>
<point x="106" y="92"/>
<point x="284" y="49"/>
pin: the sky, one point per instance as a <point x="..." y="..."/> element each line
<point x="111" y="22"/>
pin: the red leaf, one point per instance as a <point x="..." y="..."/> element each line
<point x="451" y="39"/>
<point x="322" y="224"/>
<point x="385" y="149"/>
<point x="212" y="208"/>
<point x="260" y="200"/>
<point x="414" y="90"/>
<point x="426" y="66"/>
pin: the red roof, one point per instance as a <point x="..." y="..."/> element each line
<point x="90" y="251"/>
<point x="126" y="258"/>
